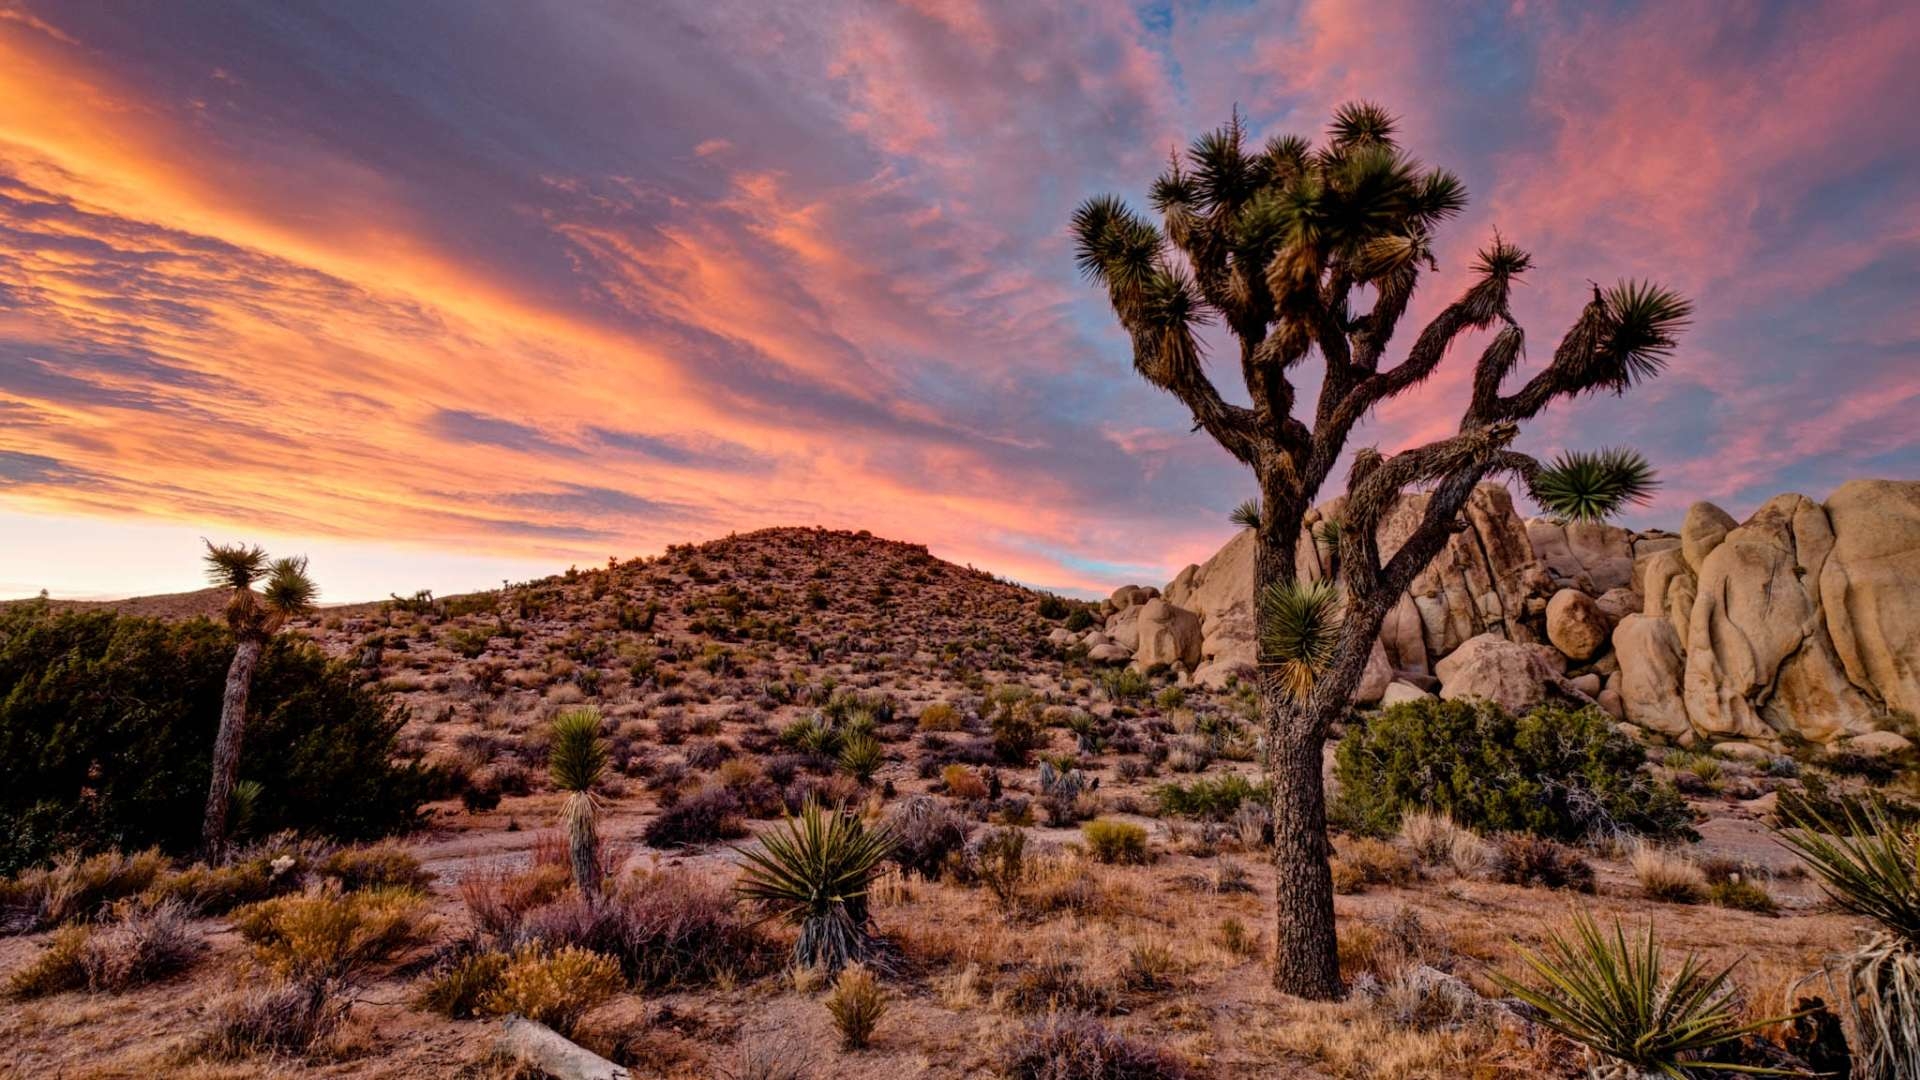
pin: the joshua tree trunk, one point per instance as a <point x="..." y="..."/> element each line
<point x="226" y="747"/>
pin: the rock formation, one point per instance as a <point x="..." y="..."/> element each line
<point x="1801" y="622"/>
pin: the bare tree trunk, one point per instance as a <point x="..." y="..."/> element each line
<point x="226" y="746"/>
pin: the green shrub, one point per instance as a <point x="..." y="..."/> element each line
<point x="1116" y="842"/>
<point x="107" y="725"/>
<point x="1560" y="773"/>
<point x="1016" y="731"/>
<point x="1214" y="798"/>
<point x="814" y="872"/>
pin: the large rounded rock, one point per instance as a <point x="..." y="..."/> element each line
<point x="1760" y="662"/>
<point x="1502" y="671"/>
<point x="1124" y="626"/>
<point x="1220" y="592"/>
<point x="1870" y="588"/>
<point x="1648" y="682"/>
<point x="1706" y="525"/>
<point x="1576" y="625"/>
<point x="1108" y="653"/>
<point x="1127" y="596"/>
<point x="1592" y="555"/>
<point x="1166" y="635"/>
<point x="1374" y="680"/>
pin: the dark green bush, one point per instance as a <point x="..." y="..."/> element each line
<point x="1215" y="798"/>
<point x="107" y="725"/>
<point x="1555" y="772"/>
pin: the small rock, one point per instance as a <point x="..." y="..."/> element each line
<point x="1879" y="744"/>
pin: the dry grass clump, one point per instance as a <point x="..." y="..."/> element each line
<point x="459" y="987"/>
<point x="1734" y="884"/>
<point x="383" y="866"/>
<point x="322" y="937"/>
<point x="1075" y="1046"/>
<point x="927" y="835"/>
<point x="1367" y="861"/>
<point x="1055" y="985"/>
<point x="77" y="887"/>
<point x="856" y="1004"/>
<point x="963" y="782"/>
<point x="1357" y="1040"/>
<point x="139" y="947"/>
<point x="1524" y="859"/>
<point x="216" y="890"/>
<point x="1116" y="842"/>
<point x="1666" y="875"/>
<point x="555" y="988"/>
<point x="498" y="898"/>
<point x="1435" y="839"/>
<point x="284" y="1018"/>
<point x="941" y="716"/>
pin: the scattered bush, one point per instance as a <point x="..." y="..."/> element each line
<point x="285" y="1018"/>
<point x="1016" y="732"/>
<point x="999" y="862"/>
<point x="711" y="814"/>
<point x="1520" y="859"/>
<point x="78" y="887"/>
<point x="1075" y="1046"/>
<point x="555" y="988"/>
<point x="1741" y="894"/>
<point x="1560" y="773"/>
<point x="107" y="724"/>
<point x="1666" y="875"/>
<point x="1116" y="842"/>
<point x="140" y="946"/>
<point x="941" y="716"/>
<point x="499" y="898"/>
<point x="926" y="833"/>
<point x="382" y="867"/>
<point x="963" y="783"/>
<point x="1366" y="861"/>
<point x="325" y="938"/>
<point x="1214" y="798"/>
<point x="216" y="890"/>
<point x="458" y="989"/>
<point x="856" y="1004"/>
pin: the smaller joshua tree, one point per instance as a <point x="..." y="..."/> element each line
<point x="254" y="617"/>
<point x="577" y="760"/>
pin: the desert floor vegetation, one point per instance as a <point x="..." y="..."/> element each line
<point x="1033" y="870"/>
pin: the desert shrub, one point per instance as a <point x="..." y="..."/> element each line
<point x="498" y="898"/>
<point x="1075" y="1046"/>
<point x="380" y="867"/>
<point x="1016" y="731"/>
<point x="107" y="725"/>
<point x="1741" y="894"/>
<point x="1366" y="861"/>
<point x="1067" y="794"/>
<point x="998" y="861"/>
<point x="1666" y="875"/>
<point x="1116" y="842"/>
<point x="667" y="929"/>
<point x="321" y="937"/>
<point x="963" y="783"/>
<point x="856" y="1004"/>
<point x="1058" y="984"/>
<point x="1430" y="836"/>
<point x="1215" y="798"/>
<point x="468" y="642"/>
<point x="708" y="815"/>
<point x="926" y="834"/>
<point x="1520" y="859"/>
<point x="458" y="988"/>
<point x="284" y="1018"/>
<point x="216" y="890"/>
<point x="1838" y="809"/>
<point x="815" y="871"/>
<point x="78" y="887"/>
<point x="141" y="945"/>
<point x="555" y="988"/>
<point x="941" y="716"/>
<point x="1617" y="997"/>
<point x="1560" y="773"/>
<point x="1124" y="685"/>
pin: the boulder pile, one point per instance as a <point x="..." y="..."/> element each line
<point x="1801" y="623"/>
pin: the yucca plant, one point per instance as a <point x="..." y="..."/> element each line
<point x="577" y="760"/>
<point x="814" y="871"/>
<point x="1583" y="486"/>
<point x="1299" y="631"/>
<point x="1871" y="867"/>
<point x="861" y="756"/>
<point x="1246" y="515"/>
<point x="286" y="592"/>
<point x="1617" y="998"/>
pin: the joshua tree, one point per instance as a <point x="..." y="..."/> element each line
<point x="254" y="617"/>
<point x="577" y="759"/>
<point x="1281" y="244"/>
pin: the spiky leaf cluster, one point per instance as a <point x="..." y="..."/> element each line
<point x="577" y="755"/>
<point x="1593" y="485"/>
<point x="814" y="871"/>
<point x="1617" y="996"/>
<point x="1299" y="631"/>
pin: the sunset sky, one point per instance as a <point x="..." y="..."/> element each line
<point x="442" y="293"/>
